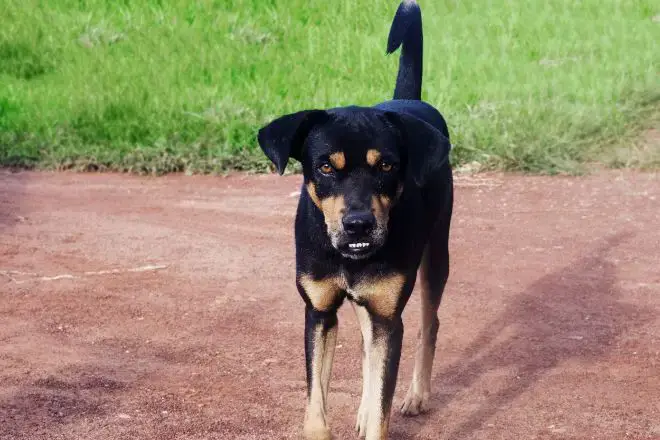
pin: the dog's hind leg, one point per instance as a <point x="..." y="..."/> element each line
<point x="320" y="339"/>
<point x="434" y="271"/>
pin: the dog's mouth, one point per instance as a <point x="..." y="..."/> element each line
<point x="358" y="249"/>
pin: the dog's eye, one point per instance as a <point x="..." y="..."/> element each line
<point x="387" y="167"/>
<point x="326" y="168"/>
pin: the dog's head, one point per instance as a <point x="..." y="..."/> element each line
<point x="356" y="162"/>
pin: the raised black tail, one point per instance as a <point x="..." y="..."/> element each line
<point x="407" y="30"/>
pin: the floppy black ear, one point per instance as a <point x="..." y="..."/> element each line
<point x="284" y="137"/>
<point x="427" y="147"/>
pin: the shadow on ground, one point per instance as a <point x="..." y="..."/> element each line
<point x="571" y="314"/>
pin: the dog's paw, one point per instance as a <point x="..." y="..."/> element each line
<point x="317" y="433"/>
<point x="315" y="426"/>
<point x="415" y="403"/>
<point x="361" y="422"/>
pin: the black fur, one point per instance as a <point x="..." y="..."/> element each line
<point x="285" y="136"/>
<point x="412" y="173"/>
<point x="407" y="30"/>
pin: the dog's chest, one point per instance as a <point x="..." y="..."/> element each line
<point x="380" y="292"/>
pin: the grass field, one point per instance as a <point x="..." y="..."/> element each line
<point x="157" y="86"/>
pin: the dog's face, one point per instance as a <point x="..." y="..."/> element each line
<point x="353" y="174"/>
<point x="355" y="164"/>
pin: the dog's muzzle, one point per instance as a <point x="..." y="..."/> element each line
<point x="361" y="235"/>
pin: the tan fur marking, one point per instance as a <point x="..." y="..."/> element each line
<point x="385" y="201"/>
<point x="367" y="335"/>
<point x="384" y="427"/>
<point x="382" y="294"/>
<point x="315" y="426"/>
<point x="338" y="160"/>
<point x="311" y="190"/>
<point x="417" y="397"/>
<point x="372" y="423"/>
<point x="373" y="156"/>
<point x="377" y="421"/>
<point x="316" y="433"/>
<point x="328" y="356"/>
<point x="322" y="293"/>
<point x="380" y="206"/>
<point x="333" y="209"/>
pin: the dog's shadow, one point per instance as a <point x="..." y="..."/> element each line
<point x="570" y="314"/>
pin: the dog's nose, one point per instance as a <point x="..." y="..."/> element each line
<point x="358" y="223"/>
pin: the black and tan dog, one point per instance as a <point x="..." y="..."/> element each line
<point x="375" y="207"/>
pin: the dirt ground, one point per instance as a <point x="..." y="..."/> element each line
<point x="165" y="308"/>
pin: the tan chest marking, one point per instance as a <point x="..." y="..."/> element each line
<point x="321" y="293"/>
<point x="381" y="294"/>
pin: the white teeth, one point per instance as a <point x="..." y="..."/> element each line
<point x="358" y="245"/>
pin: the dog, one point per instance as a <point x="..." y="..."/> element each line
<point x="374" y="210"/>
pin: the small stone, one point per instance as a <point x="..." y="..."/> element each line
<point x="123" y="416"/>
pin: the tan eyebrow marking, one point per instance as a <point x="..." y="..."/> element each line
<point x="338" y="160"/>
<point x="373" y="156"/>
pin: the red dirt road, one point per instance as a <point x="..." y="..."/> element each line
<point x="165" y="308"/>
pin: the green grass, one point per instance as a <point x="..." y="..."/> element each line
<point x="158" y="86"/>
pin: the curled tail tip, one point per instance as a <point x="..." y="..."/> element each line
<point x="400" y="24"/>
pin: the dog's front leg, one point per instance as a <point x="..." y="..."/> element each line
<point x="382" y="339"/>
<point x="367" y="335"/>
<point x="320" y="339"/>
